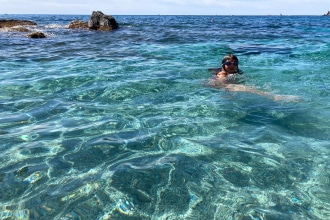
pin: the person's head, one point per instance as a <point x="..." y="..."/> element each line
<point x="230" y="64"/>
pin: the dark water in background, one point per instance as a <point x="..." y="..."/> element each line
<point x="119" y="125"/>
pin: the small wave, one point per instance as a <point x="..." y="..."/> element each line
<point x="5" y="29"/>
<point x="56" y="26"/>
<point x="15" y="29"/>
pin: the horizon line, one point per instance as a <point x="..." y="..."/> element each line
<point x="172" y="14"/>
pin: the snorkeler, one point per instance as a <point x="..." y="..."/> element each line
<point x="225" y="74"/>
<point x="225" y="77"/>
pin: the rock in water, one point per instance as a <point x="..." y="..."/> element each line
<point x="100" y="21"/>
<point x="13" y="22"/>
<point x="78" y="24"/>
<point x="37" y="35"/>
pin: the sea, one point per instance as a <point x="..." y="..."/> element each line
<point x="123" y="124"/>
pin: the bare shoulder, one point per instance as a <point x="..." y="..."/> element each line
<point x="221" y="75"/>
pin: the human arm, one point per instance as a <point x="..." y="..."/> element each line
<point x="250" y="89"/>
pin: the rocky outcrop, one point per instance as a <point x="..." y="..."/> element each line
<point x="97" y="21"/>
<point x="100" y="21"/>
<point x="78" y="24"/>
<point x="20" y="26"/>
<point x="12" y="23"/>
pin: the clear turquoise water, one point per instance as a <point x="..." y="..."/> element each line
<point x="120" y="125"/>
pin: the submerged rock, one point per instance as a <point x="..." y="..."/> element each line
<point x="37" y="35"/>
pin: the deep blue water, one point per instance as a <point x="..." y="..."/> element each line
<point x="121" y="124"/>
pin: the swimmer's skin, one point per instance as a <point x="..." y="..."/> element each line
<point x="229" y="68"/>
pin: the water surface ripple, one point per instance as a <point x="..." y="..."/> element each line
<point x="120" y="125"/>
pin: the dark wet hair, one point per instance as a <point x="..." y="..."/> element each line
<point x="230" y="57"/>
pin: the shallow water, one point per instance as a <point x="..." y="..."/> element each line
<point x="120" y="125"/>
